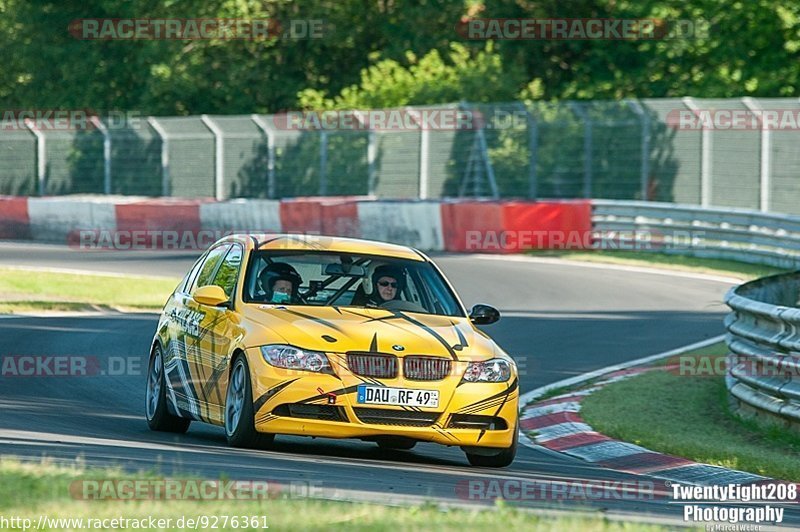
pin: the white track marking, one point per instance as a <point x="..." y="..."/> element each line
<point x="609" y="266"/>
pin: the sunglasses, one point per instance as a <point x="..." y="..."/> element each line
<point x="387" y="283"/>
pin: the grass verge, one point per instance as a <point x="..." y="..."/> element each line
<point x="730" y="268"/>
<point x="23" y="291"/>
<point x="31" y="490"/>
<point x="685" y="413"/>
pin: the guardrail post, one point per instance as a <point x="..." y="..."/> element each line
<point x="219" y="160"/>
<point x="323" y="163"/>
<point x="264" y="126"/>
<point x="41" y="156"/>
<point x="161" y="132"/>
<point x="587" y="147"/>
<point x="645" y="120"/>
<point x="106" y="153"/>
<point x="705" y="159"/>
<point x="764" y="155"/>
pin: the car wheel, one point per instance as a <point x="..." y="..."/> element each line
<point x="402" y="444"/>
<point x="158" y="415"/>
<point x="239" y="415"/>
<point x="503" y="459"/>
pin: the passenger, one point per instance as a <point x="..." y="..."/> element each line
<point x="280" y="283"/>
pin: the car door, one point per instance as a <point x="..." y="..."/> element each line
<point x="183" y="366"/>
<point x="174" y="335"/>
<point x="211" y="348"/>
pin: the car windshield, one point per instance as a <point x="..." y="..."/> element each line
<point x="346" y="279"/>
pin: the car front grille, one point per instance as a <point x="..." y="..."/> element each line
<point x="372" y="365"/>
<point x="421" y="368"/>
<point x="403" y="418"/>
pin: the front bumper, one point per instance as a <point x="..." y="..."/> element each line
<point x="489" y="410"/>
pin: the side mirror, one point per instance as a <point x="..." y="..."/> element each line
<point x="484" y="315"/>
<point x="211" y="295"/>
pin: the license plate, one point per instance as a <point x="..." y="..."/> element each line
<point x="381" y="395"/>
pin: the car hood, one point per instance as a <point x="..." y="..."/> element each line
<point x="343" y="329"/>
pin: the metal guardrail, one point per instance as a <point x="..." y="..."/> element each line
<point x="763" y="367"/>
<point x="764" y="340"/>
<point x="726" y="233"/>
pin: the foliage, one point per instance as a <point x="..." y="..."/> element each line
<point x="388" y="54"/>
<point x="429" y="79"/>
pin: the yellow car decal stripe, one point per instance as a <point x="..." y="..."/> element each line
<point x="269" y="394"/>
<point x="315" y="319"/>
<point x="433" y="333"/>
<point x="480" y="405"/>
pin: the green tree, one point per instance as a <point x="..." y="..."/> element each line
<point x="431" y="79"/>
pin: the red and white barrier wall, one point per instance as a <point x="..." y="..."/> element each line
<point x="174" y="223"/>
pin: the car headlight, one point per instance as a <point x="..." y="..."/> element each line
<point x="494" y="370"/>
<point x="288" y="357"/>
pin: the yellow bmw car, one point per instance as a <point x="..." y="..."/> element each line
<point x="330" y="337"/>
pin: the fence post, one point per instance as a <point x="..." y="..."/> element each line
<point x="587" y="147"/>
<point x="533" y="148"/>
<point x="164" y="154"/>
<point x="106" y="153"/>
<point x="41" y="156"/>
<point x="323" y="162"/>
<point x="219" y="161"/>
<point x="424" y="146"/>
<point x="705" y="158"/>
<point x="765" y="155"/>
<point x="372" y="153"/>
<point x="264" y="126"/>
<point x="488" y="164"/>
<point x="645" y="119"/>
<point x="372" y="160"/>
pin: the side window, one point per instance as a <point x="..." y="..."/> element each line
<point x="209" y="266"/>
<point x="229" y="270"/>
<point x="190" y="277"/>
<point x="411" y="291"/>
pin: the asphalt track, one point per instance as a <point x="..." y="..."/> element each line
<point x="560" y="320"/>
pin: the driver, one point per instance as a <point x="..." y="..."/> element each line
<point x="387" y="283"/>
<point x="280" y="283"/>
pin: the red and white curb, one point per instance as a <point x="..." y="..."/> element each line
<point x="555" y="424"/>
<point x="124" y="222"/>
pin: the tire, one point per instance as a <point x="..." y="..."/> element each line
<point x="239" y="416"/>
<point x="503" y="459"/>
<point x="402" y="444"/>
<point x="158" y="416"/>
